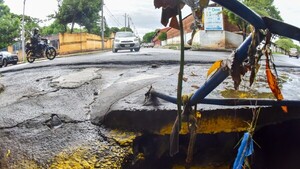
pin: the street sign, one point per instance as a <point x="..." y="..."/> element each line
<point x="213" y="18"/>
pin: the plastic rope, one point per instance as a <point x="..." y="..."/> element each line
<point x="245" y="150"/>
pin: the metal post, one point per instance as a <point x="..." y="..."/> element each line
<point x="23" y="32"/>
<point x="102" y="25"/>
<point x="125" y="22"/>
<point x="128" y="22"/>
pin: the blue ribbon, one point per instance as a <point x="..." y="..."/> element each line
<point x="245" y="150"/>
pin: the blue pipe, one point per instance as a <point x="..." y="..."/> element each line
<point x="220" y="75"/>
<point x="164" y="97"/>
<point x="233" y="102"/>
<point x="241" y="53"/>
<point x="214" y="81"/>
<point x="244" y="12"/>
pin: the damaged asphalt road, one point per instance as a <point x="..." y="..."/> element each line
<point x="46" y="115"/>
<point x="88" y="114"/>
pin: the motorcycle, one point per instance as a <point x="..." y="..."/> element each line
<point x="43" y="49"/>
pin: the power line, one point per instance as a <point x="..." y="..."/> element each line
<point x="117" y="21"/>
<point x="112" y="16"/>
<point x="134" y="28"/>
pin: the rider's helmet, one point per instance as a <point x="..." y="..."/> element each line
<point x="35" y="31"/>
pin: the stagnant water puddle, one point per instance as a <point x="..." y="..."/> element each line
<point x="288" y="81"/>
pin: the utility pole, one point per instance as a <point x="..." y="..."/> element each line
<point x="125" y="22"/>
<point x="23" y="32"/>
<point x="102" y="24"/>
<point x="128" y="22"/>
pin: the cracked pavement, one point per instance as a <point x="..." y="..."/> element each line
<point x="30" y="97"/>
<point x="74" y="95"/>
<point x="50" y="113"/>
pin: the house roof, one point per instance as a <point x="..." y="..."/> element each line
<point x="165" y="29"/>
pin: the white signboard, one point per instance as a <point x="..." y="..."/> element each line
<point x="213" y="18"/>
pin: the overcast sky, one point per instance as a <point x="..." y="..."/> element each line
<point x="144" y="16"/>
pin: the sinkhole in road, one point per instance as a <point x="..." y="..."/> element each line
<point x="276" y="146"/>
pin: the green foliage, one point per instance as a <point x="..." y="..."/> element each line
<point x="29" y="24"/>
<point x="262" y="7"/>
<point x="126" y="29"/>
<point x="107" y="31"/>
<point x="286" y="44"/>
<point x="4" y="10"/>
<point x="54" y="28"/>
<point x="297" y="47"/>
<point x="9" y="27"/>
<point x="148" y="37"/>
<point x="114" y="29"/>
<point x="84" y="13"/>
<point x="162" y="36"/>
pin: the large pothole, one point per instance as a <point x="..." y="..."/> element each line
<point x="276" y="146"/>
<point x="74" y="144"/>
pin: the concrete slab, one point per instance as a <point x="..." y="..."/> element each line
<point x="76" y="79"/>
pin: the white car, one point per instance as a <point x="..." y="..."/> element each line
<point x="294" y="53"/>
<point x="126" y="41"/>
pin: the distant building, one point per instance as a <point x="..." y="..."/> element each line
<point x="226" y="36"/>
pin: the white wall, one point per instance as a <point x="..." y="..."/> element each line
<point x="209" y="40"/>
<point x="216" y="40"/>
<point x="176" y="40"/>
<point x="233" y="40"/>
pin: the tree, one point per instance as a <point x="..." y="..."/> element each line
<point x="114" y="29"/>
<point x="262" y="7"/>
<point x="84" y="13"/>
<point x="9" y="26"/>
<point x="285" y="43"/>
<point x="29" y="24"/>
<point x="162" y="36"/>
<point x="126" y="29"/>
<point x="54" y="28"/>
<point x="148" y="37"/>
<point x="107" y="31"/>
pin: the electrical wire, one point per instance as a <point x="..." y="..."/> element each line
<point x="112" y="16"/>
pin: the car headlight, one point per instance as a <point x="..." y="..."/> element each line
<point x="117" y="40"/>
<point x="136" y="39"/>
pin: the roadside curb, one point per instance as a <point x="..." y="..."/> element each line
<point x="71" y="54"/>
<point x="212" y="50"/>
<point x="191" y="48"/>
<point x="82" y="53"/>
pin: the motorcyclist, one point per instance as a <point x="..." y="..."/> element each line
<point x="35" y="39"/>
